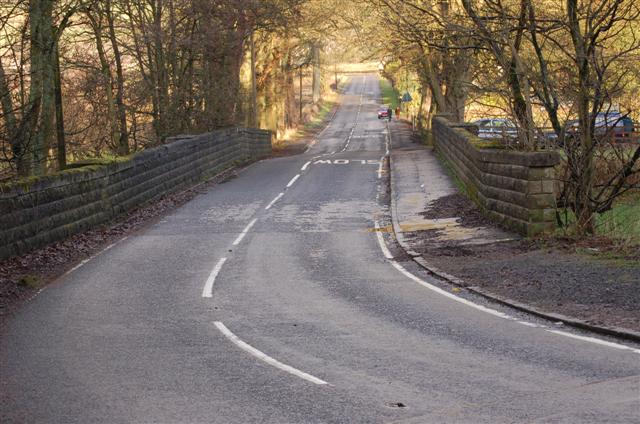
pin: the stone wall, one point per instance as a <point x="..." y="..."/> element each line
<point x="514" y="188"/>
<point x="42" y="210"/>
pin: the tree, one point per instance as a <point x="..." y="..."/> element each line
<point x="427" y="38"/>
<point x="569" y="59"/>
<point x="41" y="91"/>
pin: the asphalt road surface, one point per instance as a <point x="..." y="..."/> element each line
<point x="280" y="297"/>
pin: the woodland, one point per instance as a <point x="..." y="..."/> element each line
<point x="88" y="79"/>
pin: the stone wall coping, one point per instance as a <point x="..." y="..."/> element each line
<point x="97" y="171"/>
<point x="63" y="178"/>
<point x="529" y="159"/>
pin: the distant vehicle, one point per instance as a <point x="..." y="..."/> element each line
<point x="496" y="128"/>
<point x="607" y="124"/>
<point x="383" y="112"/>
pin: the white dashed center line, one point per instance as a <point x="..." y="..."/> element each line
<point x="244" y="232"/>
<point x="273" y="202"/>
<point x="207" y="291"/>
<point x="293" y="180"/>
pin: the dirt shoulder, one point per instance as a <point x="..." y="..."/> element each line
<point x="591" y="280"/>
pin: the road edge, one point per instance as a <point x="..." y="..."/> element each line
<point x="618" y="332"/>
<point x="61" y="270"/>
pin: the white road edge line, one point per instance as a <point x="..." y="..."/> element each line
<point x="293" y="180"/>
<point x="244" y="232"/>
<point x="494" y="312"/>
<point x="594" y="340"/>
<point x="207" y="291"/>
<point x="306" y="165"/>
<point x="82" y="262"/>
<point x="449" y="295"/>
<point x="531" y="324"/>
<point x="92" y="257"/>
<point x="273" y="202"/>
<point x="383" y="246"/>
<point x="266" y="358"/>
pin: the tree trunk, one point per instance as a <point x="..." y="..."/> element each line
<point x="439" y="103"/>
<point x="300" y="104"/>
<point x="288" y="97"/>
<point x="254" y="86"/>
<point x="105" y="69"/>
<point x="161" y="85"/>
<point x="457" y="77"/>
<point x="36" y="59"/>
<point x="519" y="83"/>
<point x="291" y="96"/>
<point x="315" y="54"/>
<point x="14" y="135"/>
<point x="123" y="133"/>
<point x="583" y="206"/>
<point x="41" y="90"/>
<point x="61" y="151"/>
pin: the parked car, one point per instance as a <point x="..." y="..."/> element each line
<point x="383" y="112"/>
<point x="607" y="124"/>
<point x="496" y="128"/>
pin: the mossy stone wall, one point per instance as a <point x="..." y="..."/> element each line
<point x="516" y="189"/>
<point x="37" y="211"/>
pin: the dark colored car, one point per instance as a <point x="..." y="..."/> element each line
<point x="383" y="112"/>
<point x="607" y="124"/>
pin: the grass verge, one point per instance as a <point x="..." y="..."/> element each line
<point x="389" y="94"/>
<point x="623" y="221"/>
<point x="325" y="108"/>
<point x="295" y="140"/>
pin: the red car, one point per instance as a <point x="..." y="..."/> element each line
<point x="383" y="112"/>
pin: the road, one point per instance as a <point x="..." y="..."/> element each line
<point x="272" y="298"/>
